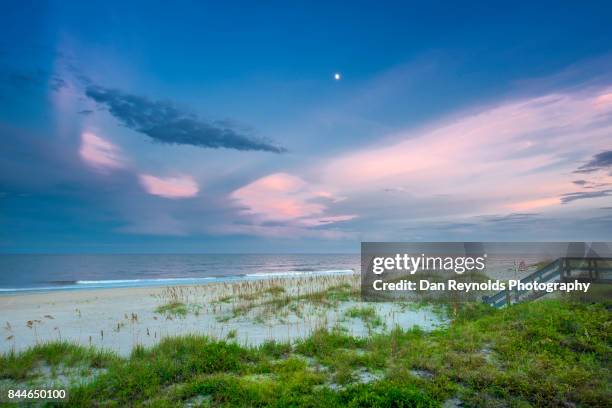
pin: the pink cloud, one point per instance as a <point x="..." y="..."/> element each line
<point x="287" y="198"/>
<point x="603" y="100"/>
<point x="517" y="156"/>
<point x="534" y="204"/>
<point x="510" y="157"/>
<point x="169" y="187"/>
<point x="319" y="221"/>
<point x="280" y="182"/>
<point x="100" y="153"/>
<point x="279" y="196"/>
<point x="509" y="153"/>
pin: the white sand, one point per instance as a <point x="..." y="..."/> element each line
<point x="119" y="319"/>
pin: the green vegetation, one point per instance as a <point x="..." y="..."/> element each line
<point x="334" y="294"/>
<point x="274" y="291"/>
<point x="541" y="264"/>
<point x="58" y="365"/>
<point x="367" y="314"/>
<point x="547" y="353"/>
<point x="232" y="334"/>
<point x="260" y="301"/>
<point x="173" y="309"/>
<point x="274" y="302"/>
<point x="178" y="309"/>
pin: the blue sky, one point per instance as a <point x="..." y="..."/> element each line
<point x="209" y="127"/>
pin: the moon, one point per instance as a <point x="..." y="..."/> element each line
<point x="337" y="76"/>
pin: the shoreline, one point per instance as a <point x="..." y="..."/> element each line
<point x="79" y="285"/>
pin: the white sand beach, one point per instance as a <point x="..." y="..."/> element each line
<point x="250" y="312"/>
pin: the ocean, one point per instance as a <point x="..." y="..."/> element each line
<point x="32" y="273"/>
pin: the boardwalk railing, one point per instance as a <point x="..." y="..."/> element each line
<point x="594" y="270"/>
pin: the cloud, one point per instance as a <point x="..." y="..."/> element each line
<point x="36" y="78"/>
<point x="99" y="153"/>
<point x="600" y="161"/>
<point x="169" y="187"/>
<point x="533" y="204"/>
<point x="569" y="197"/>
<point x="282" y="198"/>
<point x="516" y="156"/>
<point x="513" y="218"/>
<point x="590" y="184"/>
<point x="165" y="123"/>
<point x="26" y="79"/>
<point x="57" y="83"/>
<point x="278" y="197"/>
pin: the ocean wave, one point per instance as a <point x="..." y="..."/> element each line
<point x="145" y="280"/>
<point x="60" y="282"/>
<point x="119" y="283"/>
<point x="36" y="289"/>
<point x="300" y="273"/>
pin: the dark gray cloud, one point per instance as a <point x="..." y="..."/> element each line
<point x="569" y="197"/>
<point x="453" y="226"/>
<point x="165" y="123"/>
<point x="485" y="221"/>
<point x="512" y="218"/>
<point x="600" y="161"/>
<point x="26" y="79"/>
<point x="590" y="184"/>
<point x="85" y="112"/>
<point x="57" y="83"/>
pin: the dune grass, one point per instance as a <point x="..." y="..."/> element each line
<point x="262" y="300"/>
<point x="25" y="365"/>
<point x="173" y="309"/>
<point x="367" y="314"/>
<point x="548" y="353"/>
<point x="274" y="302"/>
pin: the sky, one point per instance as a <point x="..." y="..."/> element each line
<point x="222" y="128"/>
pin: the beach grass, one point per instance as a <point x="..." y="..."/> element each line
<point x="547" y="353"/>
<point x="173" y="309"/>
<point x="259" y="300"/>
<point x="367" y="314"/>
<point x="50" y="359"/>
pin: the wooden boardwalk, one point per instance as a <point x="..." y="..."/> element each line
<point x="593" y="270"/>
